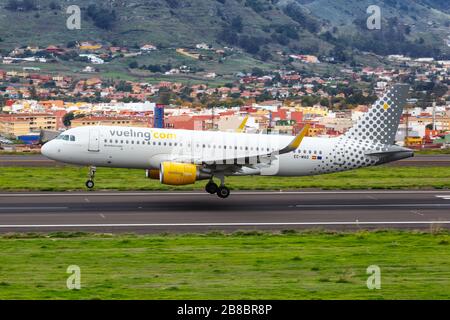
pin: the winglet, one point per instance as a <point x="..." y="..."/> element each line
<point x="295" y="143"/>
<point x="242" y="126"/>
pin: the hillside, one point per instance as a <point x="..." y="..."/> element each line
<point x="259" y="27"/>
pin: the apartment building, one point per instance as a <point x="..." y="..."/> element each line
<point x="14" y="125"/>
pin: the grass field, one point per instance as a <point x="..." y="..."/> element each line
<point x="73" y="178"/>
<point x="309" y="265"/>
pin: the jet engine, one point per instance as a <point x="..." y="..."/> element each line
<point x="178" y="174"/>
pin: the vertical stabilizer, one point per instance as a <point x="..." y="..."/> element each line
<point x="380" y="123"/>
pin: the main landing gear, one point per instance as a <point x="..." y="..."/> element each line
<point x="90" y="183"/>
<point x="222" y="191"/>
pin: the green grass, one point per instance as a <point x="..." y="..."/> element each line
<point x="433" y="151"/>
<point x="73" y="178"/>
<point x="243" y="265"/>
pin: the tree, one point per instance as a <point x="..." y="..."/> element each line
<point x="124" y="87"/>
<point x="164" y="97"/>
<point x="102" y="18"/>
<point x="12" y="5"/>
<point x="29" y="5"/>
<point x="54" y="6"/>
<point x="71" y="44"/>
<point x="67" y="119"/>
<point x="236" y="24"/>
<point x="228" y="36"/>
<point x="133" y="65"/>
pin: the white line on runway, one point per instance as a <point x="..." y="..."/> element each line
<point x="432" y="205"/>
<point x="33" y="208"/>
<point x="220" y="224"/>
<point x="236" y="193"/>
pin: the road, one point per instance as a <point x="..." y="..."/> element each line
<point x="41" y="161"/>
<point x="156" y="212"/>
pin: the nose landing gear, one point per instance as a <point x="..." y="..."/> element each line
<point x="90" y="183"/>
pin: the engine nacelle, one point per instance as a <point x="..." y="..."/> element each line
<point x="152" y="174"/>
<point x="178" y="174"/>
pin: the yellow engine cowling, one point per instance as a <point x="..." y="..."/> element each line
<point x="152" y="174"/>
<point x="178" y="174"/>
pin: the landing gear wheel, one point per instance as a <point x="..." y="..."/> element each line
<point x="211" y="187"/>
<point x="90" y="184"/>
<point x="223" y="192"/>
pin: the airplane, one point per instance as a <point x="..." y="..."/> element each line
<point x="182" y="157"/>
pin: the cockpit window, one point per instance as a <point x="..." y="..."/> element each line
<point x="65" y="137"/>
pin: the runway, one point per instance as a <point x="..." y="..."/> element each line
<point x="37" y="160"/>
<point x="157" y="212"/>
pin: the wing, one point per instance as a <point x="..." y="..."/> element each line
<point x="242" y="126"/>
<point x="248" y="159"/>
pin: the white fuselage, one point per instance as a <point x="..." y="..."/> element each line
<point x="147" y="148"/>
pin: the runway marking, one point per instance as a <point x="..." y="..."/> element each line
<point x="236" y="193"/>
<point x="444" y="197"/>
<point x="33" y="208"/>
<point x="407" y="205"/>
<point x="417" y="212"/>
<point x="24" y="161"/>
<point x="221" y="224"/>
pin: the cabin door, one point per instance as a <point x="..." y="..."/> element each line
<point x="94" y="140"/>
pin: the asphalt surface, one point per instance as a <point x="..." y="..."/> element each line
<point x="157" y="212"/>
<point x="41" y="161"/>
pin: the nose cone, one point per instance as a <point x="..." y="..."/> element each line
<point x="49" y="150"/>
